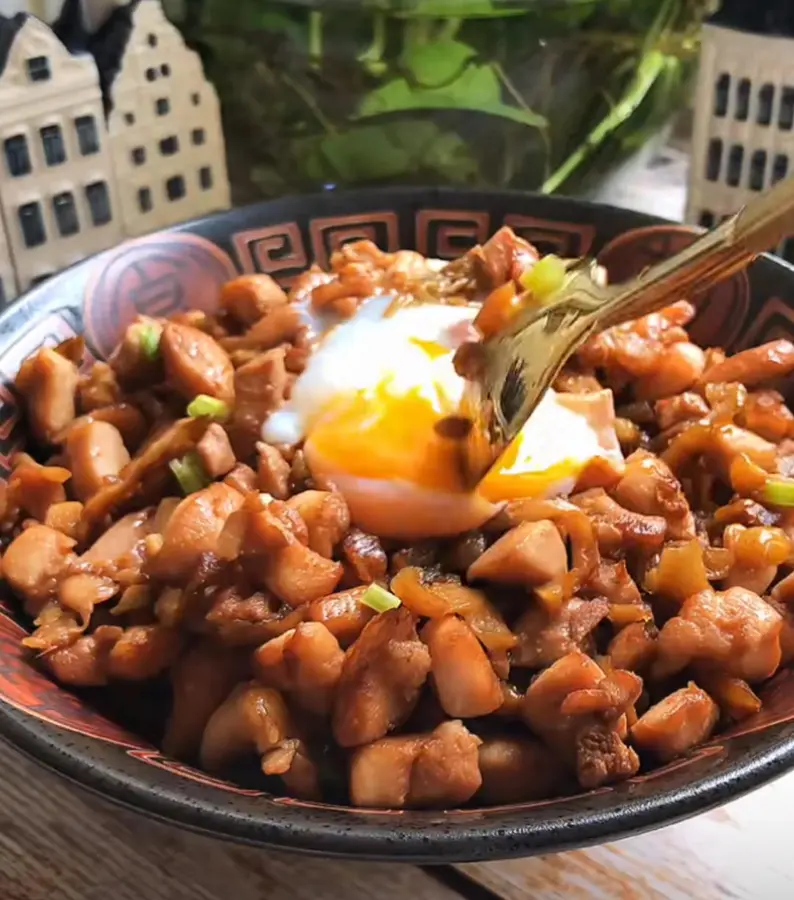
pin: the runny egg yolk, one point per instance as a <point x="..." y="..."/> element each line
<point x="369" y="406"/>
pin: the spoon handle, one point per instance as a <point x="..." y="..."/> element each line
<point x="715" y="256"/>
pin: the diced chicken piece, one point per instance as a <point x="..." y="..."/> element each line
<point x="382" y="675"/>
<point x="193" y="530"/>
<point x="603" y="758"/>
<point x="682" y="720"/>
<point x="380" y="773"/>
<point x="438" y="770"/>
<point x="754" y="365"/>
<point x="273" y="472"/>
<point x="544" y="638"/>
<point x="84" y="663"/>
<point x="201" y="680"/>
<point x="531" y="554"/>
<point x="250" y="297"/>
<point x="33" y="563"/>
<point x="143" y="652"/>
<point x="649" y="487"/>
<point x="634" y="647"/>
<point x="766" y="413"/>
<point x="365" y="559"/>
<point x="243" y="478"/>
<point x="686" y="407"/>
<point x="260" y="388"/>
<point x="131" y="364"/>
<point x="96" y="454"/>
<point x="734" y="630"/>
<point x="173" y="442"/>
<point x="326" y="516"/>
<point x="545" y="696"/>
<point x="677" y="369"/>
<point x="215" y="452"/>
<point x="195" y="363"/>
<point x="462" y="674"/>
<point x="252" y="719"/>
<point x="247" y="621"/>
<point x="298" y="575"/>
<point x="305" y="663"/>
<point x="343" y="614"/>
<point x="99" y="388"/>
<point x="80" y="593"/>
<point x="48" y="384"/>
<point x="280" y="325"/>
<point x="517" y="769"/>
<point x="64" y="517"/>
<point x="33" y="489"/>
<point x="618" y="528"/>
<point x="121" y="546"/>
<point x="446" y="772"/>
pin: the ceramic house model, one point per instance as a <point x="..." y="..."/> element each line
<point x="57" y="189"/>
<point x="163" y="120"/>
<point x="103" y="136"/>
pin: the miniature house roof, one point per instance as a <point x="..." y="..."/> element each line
<point x="10" y="26"/>
<point x="109" y="45"/>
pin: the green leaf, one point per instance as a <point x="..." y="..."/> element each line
<point x="376" y="152"/>
<point x="478" y="89"/>
<point x="437" y="64"/>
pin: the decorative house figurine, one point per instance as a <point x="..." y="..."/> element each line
<point x="104" y="134"/>
<point x="57" y="189"/>
<point x="163" y="119"/>
<point x="743" y="138"/>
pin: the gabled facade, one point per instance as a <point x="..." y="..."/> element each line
<point x="57" y="184"/>
<point x="163" y="121"/>
<point x="8" y="280"/>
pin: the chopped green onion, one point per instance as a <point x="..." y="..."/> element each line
<point x="379" y="599"/>
<point x="210" y="407"/>
<point x="545" y="278"/>
<point x="149" y="339"/>
<point x="779" y="491"/>
<point x="189" y="472"/>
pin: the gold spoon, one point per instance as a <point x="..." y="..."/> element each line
<point x="515" y="367"/>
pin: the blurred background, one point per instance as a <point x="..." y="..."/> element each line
<point x="677" y="107"/>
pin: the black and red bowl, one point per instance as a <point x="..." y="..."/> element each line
<point x="185" y="267"/>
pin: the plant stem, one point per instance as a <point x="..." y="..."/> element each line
<point x="315" y="37"/>
<point x="648" y="71"/>
<point x="372" y="57"/>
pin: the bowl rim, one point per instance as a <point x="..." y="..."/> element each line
<point x="445" y="837"/>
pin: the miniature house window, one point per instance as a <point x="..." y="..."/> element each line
<point x="169" y="146"/>
<point x="195" y="99"/>
<point x="63" y="206"/>
<point x="198" y="136"/>
<point x="162" y="107"/>
<point x="39" y="68"/>
<point x="152" y="40"/>
<point x="52" y="142"/>
<point x="175" y="187"/>
<point x="87" y="135"/>
<point x="165" y="70"/>
<point x="32" y="224"/>
<point x="17" y="155"/>
<point x="766" y="99"/>
<point x="205" y="178"/>
<point x="144" y="199"/>
<point x="151" y="74"/>
<point x="129" y="118"/>
<point x="139" y="156"/>
<point x="785" y="119"/>
<point x="99" y="202"/>
<point x="779" y="168"/>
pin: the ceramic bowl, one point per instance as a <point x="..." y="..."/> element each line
<point x="89" y="740"/>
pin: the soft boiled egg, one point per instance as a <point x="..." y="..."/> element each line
<point x="367" y="408"/>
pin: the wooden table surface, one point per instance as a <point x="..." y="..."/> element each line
<point x="60" y="843"/>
